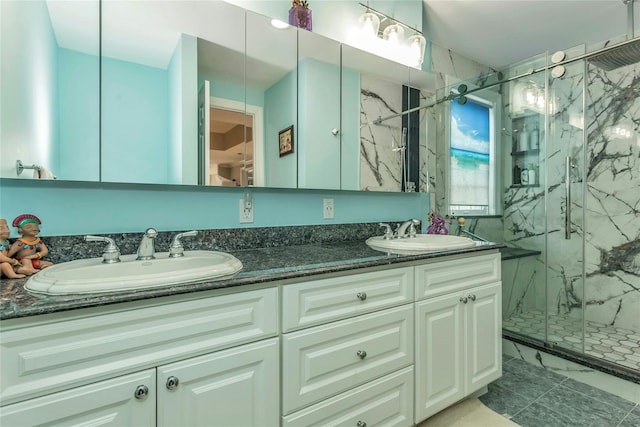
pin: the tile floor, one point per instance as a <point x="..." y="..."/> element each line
<point x="610" y="343"/>
<point x="532" y="396"/>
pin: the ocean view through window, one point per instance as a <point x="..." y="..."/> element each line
<point x="472" y="159"/>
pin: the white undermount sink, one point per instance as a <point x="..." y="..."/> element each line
<point x="88" y="276"/>
<point x="420" y="243"/>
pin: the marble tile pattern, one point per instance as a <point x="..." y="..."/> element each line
<point x="533" y="396"/>
<point x="267" y="254"/>
<point x="380" y="144"/>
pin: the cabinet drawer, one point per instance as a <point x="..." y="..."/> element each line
<point x="67" y="353"/>
<point x="326" y="360"/>
<point x="443" y="277"/>
<point x="387" y="401"/>
<point x="320" y="301"/>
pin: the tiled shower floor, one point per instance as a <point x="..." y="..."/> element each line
<point x="610" y="343"/>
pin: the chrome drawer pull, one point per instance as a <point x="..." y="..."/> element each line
<point x="172" y="383"/>
<point x="362" y="296"/>
<point x="472" y="297"/>
<point x="361" y="424"/>
<point x="141" y="393"/>
<point x="361" y="354"/>
<point x="463" y="300"/>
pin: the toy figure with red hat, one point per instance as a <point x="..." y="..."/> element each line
<point x="29" y="248"/>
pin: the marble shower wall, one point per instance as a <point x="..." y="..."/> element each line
<point x="612" y="199"/>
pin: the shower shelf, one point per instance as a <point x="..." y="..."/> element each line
<point x="524" y="153"/>
<point x="523" y="185"/>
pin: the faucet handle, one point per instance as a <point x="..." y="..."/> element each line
<point x="111" y="253"/>
<point x="388" y="233"/>
<point x="176" y="249"/>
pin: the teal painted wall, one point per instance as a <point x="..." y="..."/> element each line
<point x="280" y="113"/>
<point x="79" y="116"/>
<point x="319" y="149"/>
<point x="135" y="117"/>
<point x="68" y="208"/>
<point x="183" y="111"/>
<point x="350" y="138"/>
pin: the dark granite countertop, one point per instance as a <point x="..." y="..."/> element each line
<point x="259" y="266"/>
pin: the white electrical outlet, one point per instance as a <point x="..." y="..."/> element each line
<point x="327" y="208"/>
<point x="246" y="213"/>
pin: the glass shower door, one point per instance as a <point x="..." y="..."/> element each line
<point x="565" y="206"/>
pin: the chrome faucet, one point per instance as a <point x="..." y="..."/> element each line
<point x="176" y="250"/>
<point x="147" y="246"/>
<point x="111" y="253"/>
<point x="410" y="225"/>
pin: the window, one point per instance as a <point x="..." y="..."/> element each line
<point x="472" y="158"/>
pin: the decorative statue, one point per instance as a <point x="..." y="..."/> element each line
<point x="438" y="223"/>
<point x="29" y="248"/>
<point x="12" y="268"/>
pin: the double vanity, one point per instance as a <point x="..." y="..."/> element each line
<point x="325" y="333"/>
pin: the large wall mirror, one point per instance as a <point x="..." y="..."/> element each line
<point x="202" y="93"/>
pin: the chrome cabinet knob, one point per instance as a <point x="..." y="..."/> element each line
<point x="361" y="354"/>
<point x="172" y="383"/>
<point x="463" y="300"/>
<point x="362" y="296"/>
<point x="335" y="131"/>
<point x="361" y="424"/>
<point x="472" y="297"/>
<point x="141" y="393"/>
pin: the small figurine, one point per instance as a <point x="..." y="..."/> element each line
<point x="29" y="248"/>
<point x="438" y="224"/>
<point x="8" y="266"/>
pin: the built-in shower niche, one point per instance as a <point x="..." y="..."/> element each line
<point x="528" y="132"/>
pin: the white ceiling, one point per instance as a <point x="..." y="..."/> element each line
<point x="499" y="33"/>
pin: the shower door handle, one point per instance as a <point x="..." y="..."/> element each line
<point x="567" y="189"/>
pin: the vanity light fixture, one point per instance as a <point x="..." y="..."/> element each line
<point x="281" y="25"/>
<point x="369" y="24"/>
<point x="385" y="36"/>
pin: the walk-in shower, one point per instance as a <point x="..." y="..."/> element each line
<point x="574" y="287"/>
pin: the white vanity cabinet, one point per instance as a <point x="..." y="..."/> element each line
<point x="358" y="358"/>
<point x="199" y="359"/>
<point x="458" y="332"/>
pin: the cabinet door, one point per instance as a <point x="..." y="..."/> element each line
<point x="106" y="403"/>
<point x="439" y="354"/>
<point x="483" y="333"/>
<point x="236" y="387"/>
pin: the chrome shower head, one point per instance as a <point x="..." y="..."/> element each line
<point x="618" y="57"/>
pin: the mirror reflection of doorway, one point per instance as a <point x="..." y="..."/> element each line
<point x="227" y="148"/>
<point x="228" y="160"/>
<point x="231" y="161"/>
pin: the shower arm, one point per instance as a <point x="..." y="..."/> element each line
<point x="500" y="81"/>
